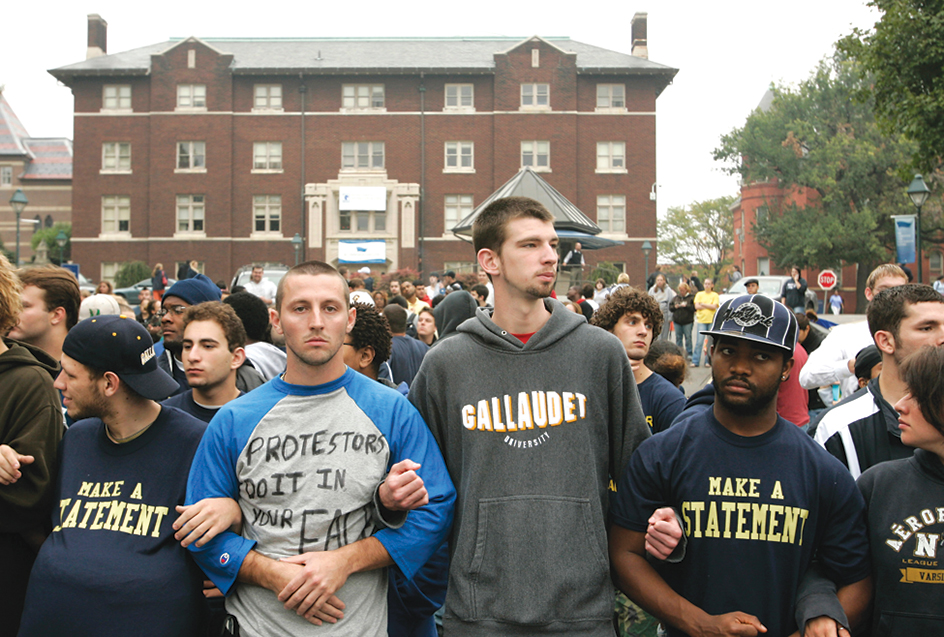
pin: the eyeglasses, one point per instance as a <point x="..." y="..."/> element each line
<point x="176" y="309"/>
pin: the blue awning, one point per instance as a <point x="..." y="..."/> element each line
<point x="587" y="241"/>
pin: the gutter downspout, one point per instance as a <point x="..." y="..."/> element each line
<point x="422" y="206"/>
<point x="303" y="90"/>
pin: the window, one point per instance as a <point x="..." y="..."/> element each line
<point x="537" y="155"/>
<point x="611" y="157"/>
<point x="6" y="176"/>
<point x="362" y="96"/>
<point x="190" y="213"/>
<point x="267" y="156"/>
<point x="935" y="263"/>
<point x="611" y="213"/>
<point x="459" y="157"/>
<point x="191" y="96"/>
<point x="763" y="266"/>
<point x="116" y="157"/>
<point x="362" y="155"/>
<point x="267" y="97"/>
<point x="116" y="214"/>
<point x="611" y="96"/>
<point x="191" y="156"/>
<point x="110" y="270"/>
<point x="535" y="96"/>
<point x="457" y="207"/>
<point x="459" y="96"/>
<point x="761" y="214"/>
<point x="267" y="213"/>
<point x="191" y="59"/>
<point x="364" y="221"/>
<point x="116" y="97"/>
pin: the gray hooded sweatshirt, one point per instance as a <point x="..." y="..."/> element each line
<point x="532" y="435"/>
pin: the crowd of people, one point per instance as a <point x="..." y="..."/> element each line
<point x="339" y="455"/>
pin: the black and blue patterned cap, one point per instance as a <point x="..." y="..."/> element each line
<point x="756" y="317"/>
<point x="118" y="343"/>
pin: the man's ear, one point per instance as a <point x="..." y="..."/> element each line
<point x="58" y="315"/>
<point x="787" y="367"/>
<point x="109" y="383"/>
<point x="365" y="357"/>
<point x="239" y="357"/>
<point x="489" y="261"/>
<point x="274" y="321"/>
<point x="885" y="342"/>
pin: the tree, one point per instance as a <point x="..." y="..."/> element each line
<point x="904" y="53"/>
<point x="701" y="234"/>
<point x="130" y="272"/>
<point x="49" y="236"/>
<point x="819" y="138"/>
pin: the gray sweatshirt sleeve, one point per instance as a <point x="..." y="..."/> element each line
<point x="816" y="597"/>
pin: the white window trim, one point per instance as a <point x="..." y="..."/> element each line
<point x="115" y="171"/>
<point x="266" y="171"/>
<point x="114" y="235"/>
<point x="118" y="109"/>
<point x="190" y="234"/>
<point x="370" y="154"/>
<point x="179" y="170"/>
<point x="457" y="169"/>
<point x="612" y="110"/>
<point x="266" y="109"/>
<point x="191" y="109"/>
<point x="537" y="169"/>
<point x="447" y="233"/>
<point x="9" y="185"/>
<point x="541" y="108"/>
<point x="265" y="234"/>
<point x="458" y="109"/>
<point x="609" y="231"/>
<point x="365" y="109"/>
<point x="612" y="171"/>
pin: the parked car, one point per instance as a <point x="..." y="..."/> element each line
<point x="768" y="285"/>
<point x="130" y="294"/>
<point x="272" y="271"/>
<point x="85" y="284"/>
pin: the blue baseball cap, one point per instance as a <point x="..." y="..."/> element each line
<point x="118" y="343"/>
<point x="195" y="291"/>
<point x="756" y="317"/>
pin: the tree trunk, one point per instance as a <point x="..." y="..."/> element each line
<point x="862" y="276"/>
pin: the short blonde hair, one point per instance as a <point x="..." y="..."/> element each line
<point x="10" y="303"/>
<point x="882" y="271"/>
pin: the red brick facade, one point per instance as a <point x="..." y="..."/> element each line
<point x="414" y="107"/>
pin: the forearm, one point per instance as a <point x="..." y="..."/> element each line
<point x="262" y="571"/>
<point x="855" y="599"/>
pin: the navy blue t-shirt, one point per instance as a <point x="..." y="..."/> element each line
<point x="111" y="565"/>
<point x="661" y="402"/>
<point x="185" y="402"/>
<point x="754" y="510"/>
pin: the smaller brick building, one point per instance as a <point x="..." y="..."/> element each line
<point x="42" y="169"/>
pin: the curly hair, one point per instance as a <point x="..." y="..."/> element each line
<point x="224" y="316"/>
<point x="626" y="301"/>
<point x="371" y="328"/>
<point x="10" y="303"/>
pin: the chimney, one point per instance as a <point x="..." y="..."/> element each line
<point x="97" y="36"/>
<point x="640" y="47"/>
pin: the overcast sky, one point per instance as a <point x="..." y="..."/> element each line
<point x="727" y="52"/>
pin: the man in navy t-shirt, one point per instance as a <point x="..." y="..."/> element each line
<point x="112" y="565"/>
<point x="756" y="498"/>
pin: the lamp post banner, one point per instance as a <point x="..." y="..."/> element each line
<point x="905" y="238"/>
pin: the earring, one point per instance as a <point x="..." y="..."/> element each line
<point x="783" y="378"/>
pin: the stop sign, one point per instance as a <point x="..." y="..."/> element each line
<point x="826" y="279"/>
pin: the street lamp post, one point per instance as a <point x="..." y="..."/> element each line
<point x="646" y="249"/>
<point x="61" y="240"/>
<point x="297" y="244"/>
<point x="919" y="193"/>
<point x="18" y="202"/>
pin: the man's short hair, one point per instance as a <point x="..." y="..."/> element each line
<point x="587" y="291"/>
<point x="803" y="322"/>
<point x="667" y="360"/>
<point x="60" y="289"/>
<point x="10" y="302"/>
<point x="253" y="312"/>
<point x="312" y="268"/>
<point x="922" y="374"/>
<point x="490" y="228"/>
<point x="396" y="318"/>
<point x="356" y="283"/>
<point x="224" y="316"/>
<point x="626" y="301"/>
<point x="481" y="290"/>
<point x="889" y="307"/>
<point x="371" y="328"/>
<point x="882" y="271"/>
<point x="256" y="266"/>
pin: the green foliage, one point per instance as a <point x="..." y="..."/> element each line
<point x="701" y="234"/>
<point x="49" y="236"/>
<point x="905" y="55"/>
<point x="817" y="136"/>
<point x="606" y="271"/>
<point x="130" y="272"/>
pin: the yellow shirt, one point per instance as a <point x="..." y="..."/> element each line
<point x="418" y="305"/>
<point x="706" y="316"/>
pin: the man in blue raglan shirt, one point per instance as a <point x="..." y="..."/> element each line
<point x="305" y="456"/>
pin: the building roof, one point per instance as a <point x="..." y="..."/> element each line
<point x="45" y="158"/>
<point x="368" y="55"/>
<point x="528" y="183"/>
<point x="12" y="131"/>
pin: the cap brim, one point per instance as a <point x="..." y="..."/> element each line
<point x="155" y="385"/>
<point x="749" y="337"/>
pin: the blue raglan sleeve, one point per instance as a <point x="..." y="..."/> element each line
<point x="213" y="475"/>
<point x="411" y="545"/>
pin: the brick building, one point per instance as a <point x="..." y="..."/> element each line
<point x="42" y="169"/>
<point x="199" y="149"/>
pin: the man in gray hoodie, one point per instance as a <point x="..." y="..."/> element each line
<point x="535" y="412"/>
